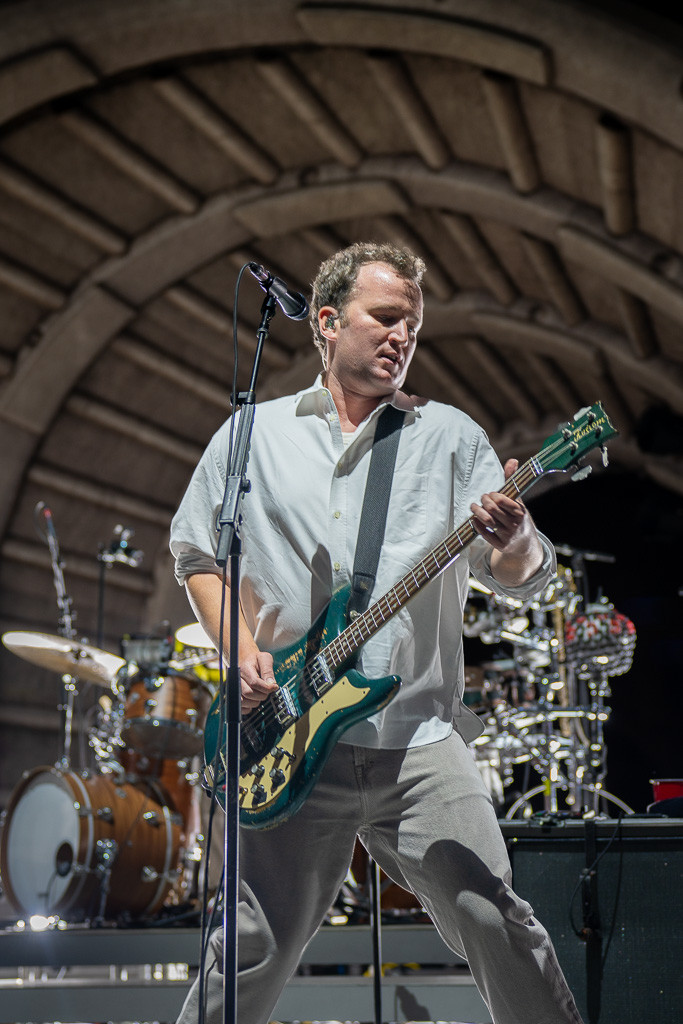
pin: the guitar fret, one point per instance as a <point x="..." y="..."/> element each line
<point x="367" y="624"/>
<point x="361" y="625"/>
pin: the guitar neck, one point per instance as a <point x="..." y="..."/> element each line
<point x="364" y="626"/>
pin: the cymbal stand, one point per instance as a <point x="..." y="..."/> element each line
<point x="45" y="525"/>
<point x="543" y="757"/>
<point x="585" y="766"/>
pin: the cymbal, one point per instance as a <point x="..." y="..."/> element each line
<point x="193" y="635"/>
<point x="67" y="657"/>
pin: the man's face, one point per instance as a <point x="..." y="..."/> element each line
<point x="370" y="351"/>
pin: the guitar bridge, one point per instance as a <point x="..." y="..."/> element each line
<point x="286" y="710"/>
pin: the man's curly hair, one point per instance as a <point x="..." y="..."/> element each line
<point x="336" y="278"/>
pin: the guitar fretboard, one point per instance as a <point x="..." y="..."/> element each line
<point x="439" y="558"/>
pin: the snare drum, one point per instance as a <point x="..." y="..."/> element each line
<point x="162" y="714"/>
<point x="83" y="847"/>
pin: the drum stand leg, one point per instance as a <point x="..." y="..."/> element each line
<point x="524" y="801"/>
<point x="107" y="851"/>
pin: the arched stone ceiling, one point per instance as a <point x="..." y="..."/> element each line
<point x="531" y="151"/>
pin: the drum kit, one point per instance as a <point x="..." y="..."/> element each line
<point x="543" y="700"/>
<point x="117" y="841"/>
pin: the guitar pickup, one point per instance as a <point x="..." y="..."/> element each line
<point x="318" y="676"/>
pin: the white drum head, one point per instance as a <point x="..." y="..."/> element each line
<point x="42" y="843"/>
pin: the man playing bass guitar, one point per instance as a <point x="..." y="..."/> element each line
<point x="402" y="779"/>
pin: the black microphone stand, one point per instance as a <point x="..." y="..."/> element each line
<point x="229" y="546"/>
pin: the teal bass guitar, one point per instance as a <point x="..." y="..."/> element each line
<point x="285" y="742"/>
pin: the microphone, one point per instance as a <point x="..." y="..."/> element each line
<point x="292" y="304"/>
<point x="42" y="509"/>
<point x="120" y="550"/>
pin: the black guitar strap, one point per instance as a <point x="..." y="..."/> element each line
<point x="373" y="519"/>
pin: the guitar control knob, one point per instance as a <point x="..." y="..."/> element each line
<point x="257" y="770"/>
<point x="259" y="794"/>
<point x="278" y="776"/>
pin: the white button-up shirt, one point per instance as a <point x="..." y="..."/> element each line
<point x="299" y="536"/>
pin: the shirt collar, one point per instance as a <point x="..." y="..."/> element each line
<point x="316" y="399"/>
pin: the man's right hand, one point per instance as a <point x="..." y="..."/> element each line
<point x="257" y="679"/>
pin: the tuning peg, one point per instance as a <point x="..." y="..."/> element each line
<point x="581" y="473"/>
<point x="605" y="456"/>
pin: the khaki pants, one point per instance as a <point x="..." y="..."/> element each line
<point x="426" y="817"/>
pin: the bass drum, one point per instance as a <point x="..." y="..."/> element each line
<point x="88" y="847"/>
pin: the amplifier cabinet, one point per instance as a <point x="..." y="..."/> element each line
<point x="619" y="884"/>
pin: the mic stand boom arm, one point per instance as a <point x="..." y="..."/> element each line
<point x="229" y="545"/>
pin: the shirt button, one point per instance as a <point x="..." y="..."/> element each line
<point x="337" y="514"/>
<point x="336" y="566"/>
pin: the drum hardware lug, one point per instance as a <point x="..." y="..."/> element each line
<point x="106" y="851"/>
<point x="191" y="713"/>
<point x="150" y="704"/>
<point x="105" y="813"/>
<point x="150" y="874"/>
<point x="152" y="818"/>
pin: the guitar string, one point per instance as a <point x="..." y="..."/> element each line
<point x="311" y="671"/>
<point x="421" y="573"/>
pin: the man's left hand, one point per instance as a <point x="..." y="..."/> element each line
<point x="498" y="519"/>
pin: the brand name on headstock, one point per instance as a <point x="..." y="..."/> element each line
<point x="590" y="428"/>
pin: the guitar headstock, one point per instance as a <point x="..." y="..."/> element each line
<point x="590" y="428"/>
